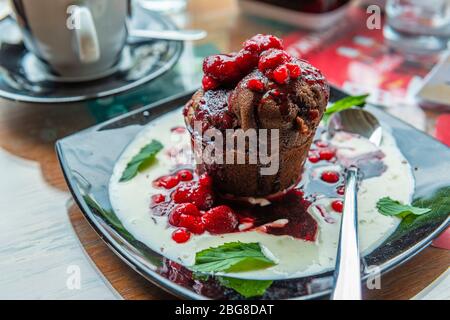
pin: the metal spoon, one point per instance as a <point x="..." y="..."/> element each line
<point x="348" y="264"/>
<point x="175" y="35"/>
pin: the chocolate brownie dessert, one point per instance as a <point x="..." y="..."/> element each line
<point x="260" y="87"/>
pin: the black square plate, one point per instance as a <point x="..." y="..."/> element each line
<point x="88" y="157"/>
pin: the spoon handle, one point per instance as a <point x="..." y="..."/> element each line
<point x="176" y="35"/>
<point x="348" y="266"/>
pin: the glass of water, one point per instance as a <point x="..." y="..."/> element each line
<point x="418" y="28"/>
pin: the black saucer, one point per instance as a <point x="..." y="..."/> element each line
<point x="23" y="79"/>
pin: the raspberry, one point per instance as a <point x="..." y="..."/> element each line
<point x="192" y="223"/>
<point x="281" y="74"/>
<point x="181" y="235"/>
<point x="222" y="68"/>
<point x="262" y="42"/>
<point x="271" y="59"/>
<point x="167" y="182"/>
<point x="337" y="205"/>
<point x="195" y="193"/>
<point x="294" y="70"/>
<point x="255" y="85"/>
<point x="209" y="83"/>
<point x="330" y="176"/>
<point x="187" y="209"/>
<point x="185" y="175"/>
<point x="205" y="180"/>
<point x="220" y="219"/>
<point x="246" y="60"/>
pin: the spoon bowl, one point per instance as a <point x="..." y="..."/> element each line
<point x="357" y="121"/>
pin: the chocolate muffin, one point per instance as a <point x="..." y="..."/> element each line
<point x="260" y="87"/>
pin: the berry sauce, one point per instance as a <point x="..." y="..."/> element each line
<point x="193" y="207"/>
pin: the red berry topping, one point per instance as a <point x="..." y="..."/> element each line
<point x="262" y="42"/>
<point x="167" y="182"/>
<point x="281" y="74"/>
<point x="271" y="59"/>
<point x="340" y="190"/>
<point x="220" y="219"/>
<point x="195" y="193"/>
<point x="181" y="235"/>
<point x="327" y="154"/>
<point x="205" y="180"/>
<point x="330" y="176"/>
<point x="185" y="175"/>
<point x="187" y="209"/>
<point x="294" y="70"/>
<point x="209" y="83"/>
<point x="222" y="68"/>
<point x="337" y="205"/>
<point x="313" y="157"/>
<point x="255" y="85"/>
<point x="158" y="198"/>
<point x="246" y="60"/>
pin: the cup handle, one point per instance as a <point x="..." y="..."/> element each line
<point x="85" y="34"/>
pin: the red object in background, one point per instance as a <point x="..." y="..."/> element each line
<point x="443" y="135"/>
<point x="443" y="128"/>
<point x="355" y="58"/>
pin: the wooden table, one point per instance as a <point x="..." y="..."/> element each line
<point x="27" y="136"/>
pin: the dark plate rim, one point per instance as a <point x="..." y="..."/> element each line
<point x="164" y="283"/>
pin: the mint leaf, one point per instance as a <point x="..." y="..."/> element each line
<point x="232" y="257"/>
<point x="345" y="103"/>
<point x="390" y="207"/>
<point x="109" y="216"/>
<point x="245" y="287"/>
<point x="142" y="160"/>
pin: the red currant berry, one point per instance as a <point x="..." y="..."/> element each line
<point x="167" y="182"/>
<point x="255" y="85"/>
<point x="181" y="235"/>
<point x="327" y="154"/>
<point x="314" y="157"/>
<point x="330" y="176"/>
<point x="185" y="175"/>
<point x="281" y="74"/>
<point x="294" y="70"/>
<point x="337" y="205"/>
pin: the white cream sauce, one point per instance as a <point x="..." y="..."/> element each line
<point x="295" y="257"/>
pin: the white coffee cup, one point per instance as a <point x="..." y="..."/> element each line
<point x="74" y="39"/>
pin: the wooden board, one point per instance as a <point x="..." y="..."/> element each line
<point x="402" y="283"/>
